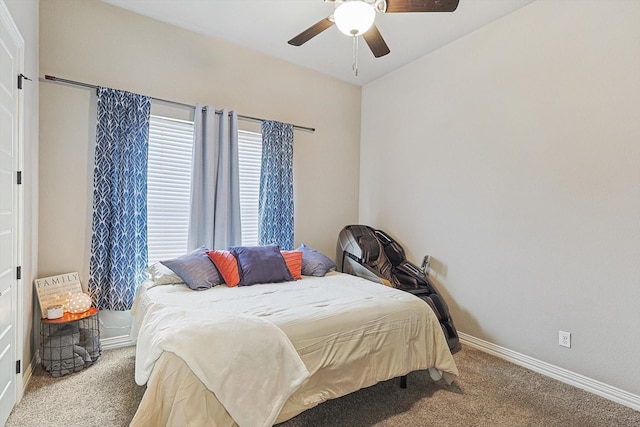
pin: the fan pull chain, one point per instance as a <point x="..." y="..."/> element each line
<point x="354" y="65"/>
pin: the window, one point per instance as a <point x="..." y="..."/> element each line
<point x="169" y="186"/>
<point x="250" y="163"/>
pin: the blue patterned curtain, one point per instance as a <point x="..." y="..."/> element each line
<point x="119" y="240"/>
<point x="275" y="207"/>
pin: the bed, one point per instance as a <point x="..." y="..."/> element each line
<point x="341" y="333"/>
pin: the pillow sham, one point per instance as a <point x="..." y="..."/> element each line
<point x="260" y="264"/>
<point x="227" y="266"/>
<point x="293" y="259"/>
<point x="196" y="269"/>
<point x="162" y="275"/>
<point x="315" y="263"/>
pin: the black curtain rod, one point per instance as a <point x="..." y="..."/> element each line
<point x="48" y="77"/>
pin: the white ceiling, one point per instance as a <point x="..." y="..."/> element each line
<point x="267" y="25"/>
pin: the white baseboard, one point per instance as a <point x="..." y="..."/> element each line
<point x="28" y="370"/>
<point x="116" y="342"/>
<point x="596" y="387"/>
<point x="28" y="374"/>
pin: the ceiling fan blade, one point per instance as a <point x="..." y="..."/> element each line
<point x="311" y="32"/>
<point x="398" y="6"/>
<point x="376" y="42"/>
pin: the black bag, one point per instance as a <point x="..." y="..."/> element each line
<point x="366" y="252"/>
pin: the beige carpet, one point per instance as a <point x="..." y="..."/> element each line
<point x="489" y="392"/>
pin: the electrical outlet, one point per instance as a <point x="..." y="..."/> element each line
<point x="564" y="339"/>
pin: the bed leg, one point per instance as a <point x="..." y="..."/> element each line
<point x="403" y="381"/>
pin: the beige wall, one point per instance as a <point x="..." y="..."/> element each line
<point x="25" y="15"/>
<point x="512" y="156"/>
<point x="89" y="41"/>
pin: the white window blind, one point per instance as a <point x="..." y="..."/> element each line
<point x="250" y="164"/>
<point x="168" y="187"/>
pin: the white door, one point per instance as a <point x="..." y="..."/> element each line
<point x="10" y="51"/>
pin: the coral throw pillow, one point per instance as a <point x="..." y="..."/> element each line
<point x="227" y="265"/>
<point x="294" y="263"/>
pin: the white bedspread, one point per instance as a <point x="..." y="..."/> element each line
<point x="246" y="372"/>
<point x="349" y="332"/>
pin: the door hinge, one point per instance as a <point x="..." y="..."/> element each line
<point x="20" y="78"/>
<point x="17" y="366"/>
<point x="19" y="178"/>
<point x="18" y="273"/>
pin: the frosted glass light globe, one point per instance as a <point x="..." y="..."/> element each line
<point x="354" y="17"/>
<point x="79" y="302"/>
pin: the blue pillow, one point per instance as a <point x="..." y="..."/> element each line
<point x="315" y="263"/>
<point x="196" y="269"/>
<point x="260" y="264"/>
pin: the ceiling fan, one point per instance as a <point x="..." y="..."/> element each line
<point x="356" y="18"/>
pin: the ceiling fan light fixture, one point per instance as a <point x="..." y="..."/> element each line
<point x="354" y="17"/>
